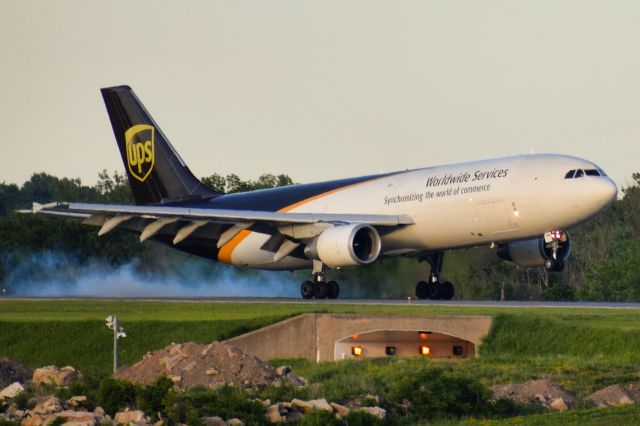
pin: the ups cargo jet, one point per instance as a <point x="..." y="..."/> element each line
<point x="521" y="204"/>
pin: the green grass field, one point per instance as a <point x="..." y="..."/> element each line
<point x="582" y="349"/>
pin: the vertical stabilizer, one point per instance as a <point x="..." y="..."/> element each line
<point x="156" y="172"/>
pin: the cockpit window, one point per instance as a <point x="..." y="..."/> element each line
<point x="592" y="172"/>
<point x="602" y="173"/>
<point x="579" y="173"/>
<point x="570" y="174"/>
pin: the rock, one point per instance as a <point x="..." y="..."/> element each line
<point x="558" y="404"/>
<point x="99" y="411"/>
<point x="235" y="422"/>
<point x="12" y="371"/>
<point x="77" y="401"/>
<point x="51" y="375"/>
<point x="535" y="391"/>
<point x="175" y="379"/>
<point x="213" y="421"/>
<point x="321" y="404"/>
<point x="78" y="417"/>
<point x="11" y="391"/>
<point x="273" y="414"/>
<point x="34" y="420"/>
<point x="378" y="412"/>
<point x="314" y="404"/>
<point x="340" y="409"/>
<point x="372" y="398"/>
<point x="610" y="396"/>
<point x="294" y="416"/>
<point x="540" y="398"/>
<point x="169" y="362"/>
<point x="296" y="380"/>
<point x="301" y="405"/>
<point x="126" y="417"/>
<point x="13" y="413"/>
<point x="177" y="350"/>
<point x="189" y="366"/>
<point x="283" y="370"/>
<point x="206" y="350"/>
<point x="48" y="405"/>
<point x="211" y="372"/>
<point x="633" y="389"/>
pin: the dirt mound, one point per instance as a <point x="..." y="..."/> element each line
<point x="12" y="371"/>
<point x="634" y="390"/>
<point x="544" y="392"/>
<point x="193" y="364"/>
<point x="611" y="396"/>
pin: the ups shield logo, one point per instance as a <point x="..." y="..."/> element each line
<point x="140" y="150"/>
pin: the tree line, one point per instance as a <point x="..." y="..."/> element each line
<point x="604" y="262"/>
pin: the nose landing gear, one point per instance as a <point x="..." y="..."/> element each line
<point x="554" y="243"/>
<point x="434" y="289"/>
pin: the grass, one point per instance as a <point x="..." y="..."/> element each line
<point x="629" y="414"/>
<point x="41" y="332"/>
<point x="582" y="349"/>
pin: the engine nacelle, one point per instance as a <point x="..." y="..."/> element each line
<point x="346" y="245"/>
<point x="537" y="251"/>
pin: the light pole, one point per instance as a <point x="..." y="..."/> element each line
<point x="118" y="332"/>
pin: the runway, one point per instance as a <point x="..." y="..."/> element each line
<point x="388" y="302"/>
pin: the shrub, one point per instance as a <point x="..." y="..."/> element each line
<point x="320" y="418"/>
<point x="437" y="393"/>
<point x="226" y="402"/>
<point x="284" y="392"/>
<point x="151" y="398"/>
<point x="360" y="418"/>
<point x="115" y="395"/>
<point x="22" y="399"/>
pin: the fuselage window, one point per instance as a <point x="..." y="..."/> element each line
<point x="591" y="172"/>
<point x="570" y="174"/>
<point x="579" y="173"/>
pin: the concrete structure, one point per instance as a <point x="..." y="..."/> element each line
<point x="329" y="337"/>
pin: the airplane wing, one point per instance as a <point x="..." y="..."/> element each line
<point x="110" y="216"/>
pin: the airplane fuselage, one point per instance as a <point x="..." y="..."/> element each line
<point x="453" y="206"/>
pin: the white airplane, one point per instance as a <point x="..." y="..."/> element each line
<point x="521" y="204"/>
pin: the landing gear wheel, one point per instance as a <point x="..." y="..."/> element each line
<point x="432" y="291"/>
<point x="333" y="290"/>
<point x="436" y="289"/>
<point x="553" y="265"/>
<point x="422" y="290"/>
<point x="447" y="290"/>
<point x="306" y="290"/>
<point x="320" y="290"/>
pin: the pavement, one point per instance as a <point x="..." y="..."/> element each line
<point x="397" y="302"/>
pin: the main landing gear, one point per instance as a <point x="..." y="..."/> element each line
<point x="434" y="289"/>
<point x="318" y="288"/>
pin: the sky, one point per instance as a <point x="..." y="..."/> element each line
<point x="321" y="89"/>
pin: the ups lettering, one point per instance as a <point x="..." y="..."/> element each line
<point x="140" y="153"/>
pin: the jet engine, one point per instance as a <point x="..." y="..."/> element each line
<point x="345" y="245"/>
<point x="550" y="251"/>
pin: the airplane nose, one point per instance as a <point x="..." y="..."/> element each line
<point x="607" y="191"/>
